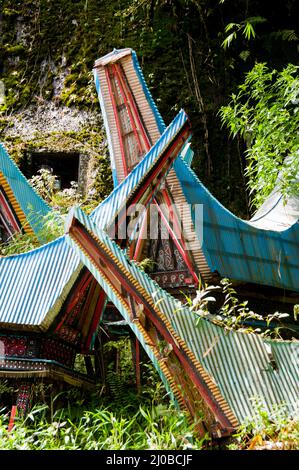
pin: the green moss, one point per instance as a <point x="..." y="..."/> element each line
<point x="10" y="12"/>
<point x="14" y="49"/>
<point x="87" y="141"/>
<point x="42" y="40"/>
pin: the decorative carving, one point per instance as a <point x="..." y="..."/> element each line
<point x="19" y="346"/>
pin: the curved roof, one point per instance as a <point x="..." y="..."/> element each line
<point x="31" y="204"/>
<point x="239" y="363"/>
<point x="276" y="213"/>
<point x="33" y="285"/>
<point x="263" y="250"/>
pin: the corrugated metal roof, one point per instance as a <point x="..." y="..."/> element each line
<point x="238" y="250"/>
<point x="263" y="251"/>
<point x="277" y="213"/>
<point x="32" y="205"/>
<point x="239" y="363"/>
<point x="103" y="214"/>
<point x="153" y="125"/>
<point x="33" y="285"/>
<point x="187" y="396"/>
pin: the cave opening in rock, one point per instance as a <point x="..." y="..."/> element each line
<point x="65" y="165"/>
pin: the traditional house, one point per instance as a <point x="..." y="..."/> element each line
<point x="52" y="299"/>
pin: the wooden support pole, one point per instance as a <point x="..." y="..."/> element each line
<point x="89" y="366"/>
<point x="12" y="418"/>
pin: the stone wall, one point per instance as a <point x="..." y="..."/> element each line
<point x="51" y="128"/>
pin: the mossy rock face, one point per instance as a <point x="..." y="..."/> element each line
<point x="46" y="68"/>
<point x="48" y="48"/>
<point x="47" y="51"/>
<point x="60" y="129"/>
<point x="43" y="40"/>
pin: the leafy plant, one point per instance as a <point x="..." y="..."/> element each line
<point x="265" y="113"/>
<point x="246" y="28"/>
<point x="233" y="314"/>
<point x="45" y="183"/>
<point x="5" y="387"/>
<point x="111" y="427"/>
<point x="272" y="429"/>
<point x="48" y="186"/>
<point x="147" y="265"/>
<point x="52" y="224"/>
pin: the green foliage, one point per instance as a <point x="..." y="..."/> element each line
<point x="83" y="425"/>
<point x="116" y="420"/>
<point x="233" y="314"/>
<point x="52" y="224"/>
<point x="246" y="27"/>
<point x="265" y="113"/>
<point x="144" y="422"/>
<point x="45" y="183"/>
<point x="5" y="387"/>
<point x="52" y="227"/>
<point x="147" y="265"/>
<point x="121" y="374"/>
<point x="272" y="429"/>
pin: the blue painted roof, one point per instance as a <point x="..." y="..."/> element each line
<point x="236" y="248"/>
<point x="33" y="285"/>
<point x="240" y="250"/>
<point x="32" y="205"/>
<point x="238" y="363"/>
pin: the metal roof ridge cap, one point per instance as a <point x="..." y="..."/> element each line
<point x="112" y="56"/>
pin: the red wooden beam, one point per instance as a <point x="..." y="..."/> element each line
<point x="96" y="317"/>
<point x="133" y="105"/>
<point x="158" y="171"/>
<point x="140" y="238"/>
<point x="173" y="217"/>
<point x="132" y="121"/>
<point x="130" y="102"/>
<point x="12" y="418"/>
<point x="77" y="293"/>
<point x="116" y="117"/>
<point x="9" y="216"/>
<point x="98" y="254"/>
<point x="177" y="244"/>
<point x="88" y="301"/>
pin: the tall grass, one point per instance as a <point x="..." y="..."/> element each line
<point x="101" y="428"/>
<point x="112" y="417"/>
<point x="118" y="418"/>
